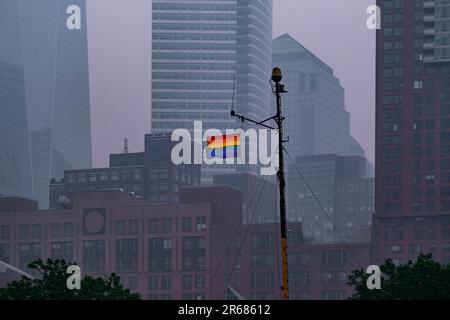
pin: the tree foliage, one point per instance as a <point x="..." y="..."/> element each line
<point x="52" y="285"/>
<point x="424" y="279"/>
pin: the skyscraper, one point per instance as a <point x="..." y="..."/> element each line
<point x="412" y="209"/>
<point x="34" y="36"/>
<point x="345" y="193"/>
<point x="316" y="119"/>
<point x="15" y="165"/>
<point x="208" y="57"/>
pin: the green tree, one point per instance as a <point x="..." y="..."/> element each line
<point x="52" y="285"/>
<point x="424" y="279"/>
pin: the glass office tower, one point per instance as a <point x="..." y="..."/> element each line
<point x="207" y="57"/>
<point x="34" y="36"/>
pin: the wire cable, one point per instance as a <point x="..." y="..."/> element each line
<point x="277" y="250"/>
<point x="242" y="241"/>
<point x="235" y="233"/>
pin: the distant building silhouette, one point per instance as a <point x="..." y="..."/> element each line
<point x="54" y="60"/>
<point x="15" y="162"/>
<point x="345" y="192"/>
<point x="150" y="175"/>
<point x="316" y="119"/>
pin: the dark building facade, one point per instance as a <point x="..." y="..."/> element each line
<point x="345" y="193"/>
<point x="150" y="175"/>
<point x="412" y="132"/>
<point x="54" y="59"/>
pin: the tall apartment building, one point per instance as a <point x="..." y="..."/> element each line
<point x="208" y="56"/>
<point x="345" y="193"/>
<point x="316" y="119"/>
<point x="149" y="175"/>
<point x="412" y="132"/>
<point x="54" y="59"/>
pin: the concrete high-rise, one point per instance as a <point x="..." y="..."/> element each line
<point x="412" y="192"/>
<point x="316" y="119"/>
<point x="205" y="55"/>
<point x="35" y="37"/>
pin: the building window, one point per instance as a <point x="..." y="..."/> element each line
<point x="133" y="283"/>
<point x="186" y="224"/>
<point x="164" y="174"/>
<point x="71" y="179"/>
<point x="200" y="224"/>
<point x="36" y="231"/>
<point x="137" y="175"/>
<point x="153" y="226"/>
<point x="186" y="282"/>
<point x="23" y="231"/>
<point x="418" y="84"/>
<point x="153" y="174"/>
<point x="4" y="232"/>
<point x="92" y="178"/>
<point x="5" y="253"/>
<point x="166" y="282"/>
<point x="153" y="283"/>
<point x="55" y="230"/>
<point x="103" y="177"/>
<point x="68" y="229"/>
<point x="200" y="281"/>
<point x="120" y="227"/>
<point x="115" y="176"/>
<point x="126" y="255"/>
<point x="167" y="244"/>
<point x="81" y="178"/>
<point x="167" y="225"/>
<point x="133" y="226"/>
<point x="94" y="256"/>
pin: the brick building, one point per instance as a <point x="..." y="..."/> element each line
<point x="189" y="250"/>
<point x="316" y="271"/>
<point x="412" y="132"/>
<point x="154" y="248"/>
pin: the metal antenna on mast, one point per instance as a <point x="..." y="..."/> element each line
<point x="125" y="146"/>
<point x="278" y="90"/>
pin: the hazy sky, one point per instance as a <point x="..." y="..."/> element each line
<point x="120" y="64"/>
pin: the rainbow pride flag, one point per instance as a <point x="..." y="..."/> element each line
<point x="226" y="146"/>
